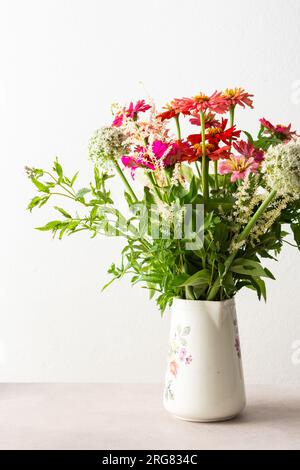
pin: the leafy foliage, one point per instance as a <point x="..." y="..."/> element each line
<point x="164" y="266"/>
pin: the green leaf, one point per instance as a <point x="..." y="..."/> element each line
<point x="193" y="192"/>
<point x="197" y="279"/>
<point x="260" y="287"/>
<point x="249" y="136"/>
<point x="97" y="177"/>
<point x="82" y="192"/>
<point x="247" y="266"/>
<point x="152" y="278"/>
<point x="73" y="224"/>
<point x="225" y="202"/>
<point x="33" y="203"/>
<point x="44" y="200"/>
<point x="61" y="233"/>
<point x="74" y="178"/>
<point x="40" y="186"/>
<point x="54" y="224"/>
<point x="63" y="212"/>
<point x="296" y="232"/>
<point x="58" y="168"/>
<point x="269" y="274"/>
<point x="180" y="279"/>
<point x="94" y="213"/>
<point x="129" y="199"/>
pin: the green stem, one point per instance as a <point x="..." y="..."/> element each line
<point x="205" y="163"/>
<point x="231" y="116"/>
<point x="178" y="126"/>
<point x="123" y="177"/>
<point x="61" y="194"/>
<point x="243" y="235"/>
<point x="216" y="174"/>
<point x="231" y="123"/>
<point x="60" y="184"/>
<point x="153" y="184"/>
<point x="198" y="170"/>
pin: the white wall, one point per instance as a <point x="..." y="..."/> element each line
<point x="62" y="64"/>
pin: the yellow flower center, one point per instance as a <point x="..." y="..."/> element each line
<point x="238" y="164"/>
<point x="214" y="130"/>
<point x="201" y="97"/>
<point x="231" y="92"/>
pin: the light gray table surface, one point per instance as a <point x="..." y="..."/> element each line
<point x="120" y="416"/>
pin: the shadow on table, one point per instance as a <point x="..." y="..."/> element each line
<point x="287" y="412"/>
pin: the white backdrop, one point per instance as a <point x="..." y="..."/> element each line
<point x="62" y="64"/>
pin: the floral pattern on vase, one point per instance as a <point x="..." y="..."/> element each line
<point x="178" y="356"/>
<point x="237" y="343"/>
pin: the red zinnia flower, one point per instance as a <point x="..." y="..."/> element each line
<point x="169" y="113"/>
<point x="214" y="136"/>
<point x="215" y="103"/>
<point x="212" y="149"/>
<point x="239" y="96"/>
<point x="220" y="133"/>
<point x="184" y="151"/>
<point x="210" y="119"/>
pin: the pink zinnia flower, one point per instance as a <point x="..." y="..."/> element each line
<point x="246" y="149"/>
<point x="139" y="159"/>
<point x="183" y="105"/>
<point x="239" y="167"/>
<point x="131" y="112"/>
<point x="281" y="131"/>
<point x="237" y="96"/>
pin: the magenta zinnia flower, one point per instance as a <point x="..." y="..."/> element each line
<point x="246" y="149"/>
<point x="238" y="166"/>
<point x="131" y="112"/>
<point x="281" y="131"/>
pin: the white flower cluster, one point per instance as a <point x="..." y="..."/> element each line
<point x="267" y="219"/>
<point x="281" y="167"/>
<point x="106" y="145"/>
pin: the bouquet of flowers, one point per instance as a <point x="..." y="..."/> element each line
<point x="204" y="209"/>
